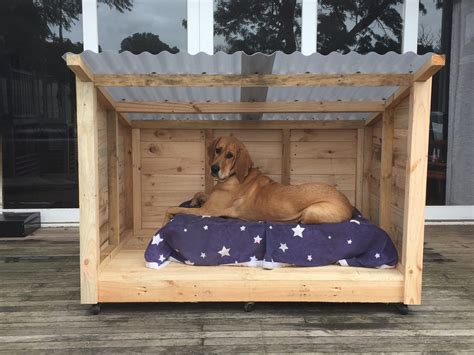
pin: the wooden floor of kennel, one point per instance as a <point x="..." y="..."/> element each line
<point x="130" y="171"/>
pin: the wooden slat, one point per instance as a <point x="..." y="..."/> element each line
<point x="249" y="107"/>
<point x="322" y="150"/>
<point x="285" y="157"/>
<point x="366" y="171"/>
<point x="88" y="161"/>
<point x="251" y="135"/>
<point x="172" y="149"/>
<point x="137" y="188"/>
<point x="152" y="182"/>
<point x="238" y="124"/>
<point x="359" y="168"/>
<point x="317" y="135"/>
<point x="172" y="135"/>
<point x="415" y="193"/>
<point x="253" y="80"/>
<point x="386" y="170"/>
<point x="341" y="181"/>
<point x="322" y="166"/>
<point x="113" y="178"/>
<point x="172" y="166"/>
<point x="208" y="180"/>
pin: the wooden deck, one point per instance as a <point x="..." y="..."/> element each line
<point x="40" y="310"/>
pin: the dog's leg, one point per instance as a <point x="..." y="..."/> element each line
<point x="199" y="199"/>
<point x="325" y="212"/>
<point x="226" y="212"/>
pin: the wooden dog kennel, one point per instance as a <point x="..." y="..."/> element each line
<point x="131" y="170"/>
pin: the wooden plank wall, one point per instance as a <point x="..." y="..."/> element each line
<point x="327" y="156"/>
<point x="173" y="162"/>
<point x="374" y="177"/>
<point x="172" y="170"/>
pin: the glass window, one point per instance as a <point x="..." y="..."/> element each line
<point x="361" y="25"/>
<point x="257" y="26"/>
<point x="142" y="25"/>
<point x="37" y="102"/>
<point x="434" y="35"/>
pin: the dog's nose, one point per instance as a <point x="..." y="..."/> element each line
<point x="215" y="169"/>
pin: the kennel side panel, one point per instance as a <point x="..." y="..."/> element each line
<point x="327" y="156"/>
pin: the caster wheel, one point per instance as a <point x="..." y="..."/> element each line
<point x="402" y="309"/>
<point x="249" y="306"/>
<point x="95" y="309"/>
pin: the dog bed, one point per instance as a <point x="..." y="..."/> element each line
<point x="205" y="241"/>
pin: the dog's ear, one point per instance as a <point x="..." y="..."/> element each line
<point x="243" y="163"/>
<point x="211" y="150"/>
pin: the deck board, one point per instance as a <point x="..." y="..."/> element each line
<point x="40" y="310"/>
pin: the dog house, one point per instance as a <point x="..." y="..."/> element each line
<point x="360" y="122"/>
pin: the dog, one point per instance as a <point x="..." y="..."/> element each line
<point x="243" y="192"/>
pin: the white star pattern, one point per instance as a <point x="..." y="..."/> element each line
<point x="354" y="221"/>
<point x="157" y="240"/>
<point x="242" y="228"/>
<point x="298" y="231"/>
<point x="185" y="229"/>
<point x="270" y="227"/>
<point x="257" y="240"/>
<point x="349" y="241"/>
<point x="283" y="247"/>
<point x="189" y="262"/>
<point x="224" y="251"/>
<point x="377" y="256"/>
<point x="203" y="255"/>
<point x="161" y="258"/>
<point x="310" y="257"/>
<point x="253" y="259"/>
<point x="329" y="237"/>
<point x="205" y="228"/>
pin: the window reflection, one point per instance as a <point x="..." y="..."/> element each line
<point x="362" y="26"/>
<point x="434" y="35"/>
<point x="143" y="25"/>
<point x="37" y="102"/>
<point x="257" y="26"/>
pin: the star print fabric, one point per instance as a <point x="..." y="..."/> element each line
<point x="204" y="241"/>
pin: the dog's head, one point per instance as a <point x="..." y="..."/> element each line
<point x="228" y="156"/>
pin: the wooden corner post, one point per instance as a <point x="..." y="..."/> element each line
<point x="415" y="192"/>
<point x="87" y="136"/>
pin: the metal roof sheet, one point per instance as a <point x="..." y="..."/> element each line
<point x="240" y="63"/>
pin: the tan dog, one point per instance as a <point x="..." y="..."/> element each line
<point x="245" y="193"/>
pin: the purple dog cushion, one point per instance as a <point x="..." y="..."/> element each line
<point x="202" y="240"/>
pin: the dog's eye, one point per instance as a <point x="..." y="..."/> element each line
<point x="218" y="150"/>
<point x="229" y="156"/>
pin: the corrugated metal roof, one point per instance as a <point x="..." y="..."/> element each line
<point x="240" y="63"/>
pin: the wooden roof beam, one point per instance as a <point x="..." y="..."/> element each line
<point x="239" y="124"/>
<point x="250" y="107"/>
<point x="253" y="80"/>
